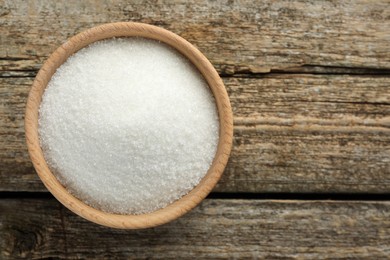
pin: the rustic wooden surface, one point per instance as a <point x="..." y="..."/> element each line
<point x="293" y="133"/>
<point x="237" y="36"/>
<point x="216" y="229"/>
<point x="309" y="83"/>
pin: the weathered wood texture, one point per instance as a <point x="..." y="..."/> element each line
<point x="217" y="229"/>
<point x="237" y="36"/>
<point x="293" y="133"/>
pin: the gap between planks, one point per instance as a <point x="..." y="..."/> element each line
<point x="241" y="196"/>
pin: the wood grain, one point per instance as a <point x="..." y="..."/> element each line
<point x="293" y="133"/>
<point x="42" y="228"/>
<point x="237" y="36"/>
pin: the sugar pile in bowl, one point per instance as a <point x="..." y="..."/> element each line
<point x="128" y="125"/>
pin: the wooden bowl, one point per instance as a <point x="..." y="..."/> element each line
<point x="177" y="208"/>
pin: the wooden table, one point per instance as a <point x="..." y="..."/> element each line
<point x="309" y="174"/>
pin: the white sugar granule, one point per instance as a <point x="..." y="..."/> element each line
<point x="128" y="125"/>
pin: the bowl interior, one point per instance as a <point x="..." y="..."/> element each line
<point x="177" y="208"/>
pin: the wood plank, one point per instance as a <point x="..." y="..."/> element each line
<point x="293" y="133"/>
<point x="305" y="133"/>
<point x="237" y="36"/>
<point x="39" y="228"/>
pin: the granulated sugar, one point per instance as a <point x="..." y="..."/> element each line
<point x="128" y="125"/>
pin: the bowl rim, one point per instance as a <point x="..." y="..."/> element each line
<point x="180" y="206"/>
